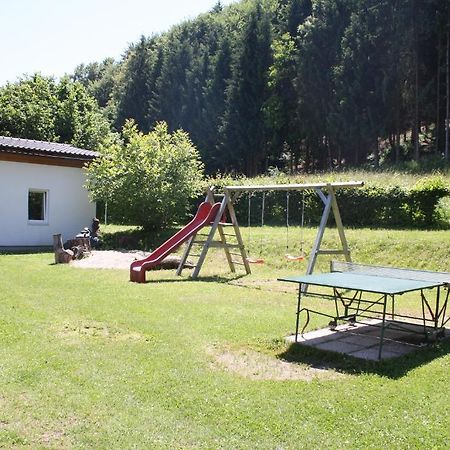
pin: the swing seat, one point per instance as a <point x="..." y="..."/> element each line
<point x="295" y="258"/>
<point x="255" y="260"/>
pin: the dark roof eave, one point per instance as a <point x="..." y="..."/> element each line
<point x="34" y="147"/>
<point x="47" y="154"/>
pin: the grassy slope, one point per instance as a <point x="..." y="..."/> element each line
<point x="88" y="360"/>
<point x="390" y="177"/>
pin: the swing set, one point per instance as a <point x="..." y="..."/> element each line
<point x="229" y="233"/>
<point x="301" y="255"/>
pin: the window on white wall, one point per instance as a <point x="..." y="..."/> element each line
<point x="37" y="206"/>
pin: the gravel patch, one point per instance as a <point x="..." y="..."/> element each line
<point x="109" y="259"/>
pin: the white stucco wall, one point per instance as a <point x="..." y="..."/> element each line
<point x="69" y="208"/>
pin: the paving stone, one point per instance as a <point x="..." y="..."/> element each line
<point x="338" y="346"/>
<point x="312" y="338"/>
<point x="371" y="354"/>
<point x="362" y="340"/>
<point x="398" y="347"/>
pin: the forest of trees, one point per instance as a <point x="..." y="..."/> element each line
<point x="295" y="84"/>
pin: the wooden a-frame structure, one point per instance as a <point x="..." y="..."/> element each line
<point x="230" y="237"/>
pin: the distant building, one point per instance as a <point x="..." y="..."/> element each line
<point x="42" y="192"/>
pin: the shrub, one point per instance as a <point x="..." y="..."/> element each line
<point x="150" y="179"/>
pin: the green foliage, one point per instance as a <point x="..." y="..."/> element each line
<point x="43" y="109"/>
<point x="79" y="119"/>
<point x="281" y="107"/>
<point x="150" y="179"/>
<point x="98" y="78"/>
<point x="424" y="199"/>
<point x="28" y="109"/>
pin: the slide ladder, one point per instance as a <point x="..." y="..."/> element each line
<point x="230" y="240"/>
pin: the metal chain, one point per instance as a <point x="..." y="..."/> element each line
<point x="287" y="221"/>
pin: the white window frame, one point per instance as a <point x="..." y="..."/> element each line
<point x="46" y="206"/>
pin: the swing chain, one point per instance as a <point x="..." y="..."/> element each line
<point x="249" y="221"/>
<point x="287" y="221"/>
<point x="263" y="207"/>
<point x="302" y="253"/>
<point x="302" y="223"/>
<point x="250" y="195"/>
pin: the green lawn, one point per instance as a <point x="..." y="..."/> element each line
<point x="89" y="360"/>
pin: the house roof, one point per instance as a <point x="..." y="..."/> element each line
<point x="43" y="148"/>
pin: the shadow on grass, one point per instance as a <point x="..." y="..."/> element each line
<point x="136" y="239"/>
<point x="28" y="250"/>
<point x="392" y="368"/>
<point x="204" y="279"/>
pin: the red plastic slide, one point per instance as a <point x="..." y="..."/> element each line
<point x="206" y="214"/>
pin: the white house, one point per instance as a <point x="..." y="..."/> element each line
<point x="42" y="192"/>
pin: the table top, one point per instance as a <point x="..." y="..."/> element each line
<point x="363" y="282"/>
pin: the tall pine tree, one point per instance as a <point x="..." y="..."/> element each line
<point x="244" y="125"/>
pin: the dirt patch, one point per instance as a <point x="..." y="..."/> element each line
<point x="258" y="366"/>
<point x="51" y="437"/>
<point x="92" y="329"/>
<point x="271" y="285"/>
<point x="109" y="259"/>
<point x="56" y="434"/>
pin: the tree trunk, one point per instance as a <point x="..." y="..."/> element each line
<point x="376" y="152"/>
<point x="447" y="51"/>
<point x="438" y="92"/>
<point x="415" y="128"/>
<point x="397" y="147"/>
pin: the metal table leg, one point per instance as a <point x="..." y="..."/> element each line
<point x="298" y="312"/>
<point x="383" y="326"/>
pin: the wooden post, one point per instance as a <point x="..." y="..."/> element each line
<point x="209" y="239"/>
<point x="339" y="225"/>
<point x="237" y="231"/>
<point x="320" y="232"/>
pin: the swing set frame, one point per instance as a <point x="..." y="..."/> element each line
<point x="325" y="191"/>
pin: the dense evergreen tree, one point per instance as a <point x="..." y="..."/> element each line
<point x="365" y="80"/>
<point x="282" y="106"/>
<point x="211" y="146"/>
<point x="244" y="125"/>
<point x="133" y="91"/>
<point x="319" y="53"/>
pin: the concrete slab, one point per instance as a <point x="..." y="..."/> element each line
<point x="362" y="340"/>
<point x="338" y="346"/>
<point x="371" y="354"/>
<point x="355" y="338"/>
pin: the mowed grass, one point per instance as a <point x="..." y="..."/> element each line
<point x="89" y="360"/>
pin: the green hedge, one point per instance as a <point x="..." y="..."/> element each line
<point x="370" y="206"/>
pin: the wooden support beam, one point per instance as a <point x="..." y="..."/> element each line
<point x="293" y="187"/>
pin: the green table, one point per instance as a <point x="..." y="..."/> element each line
<point x="350" y="289"/>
